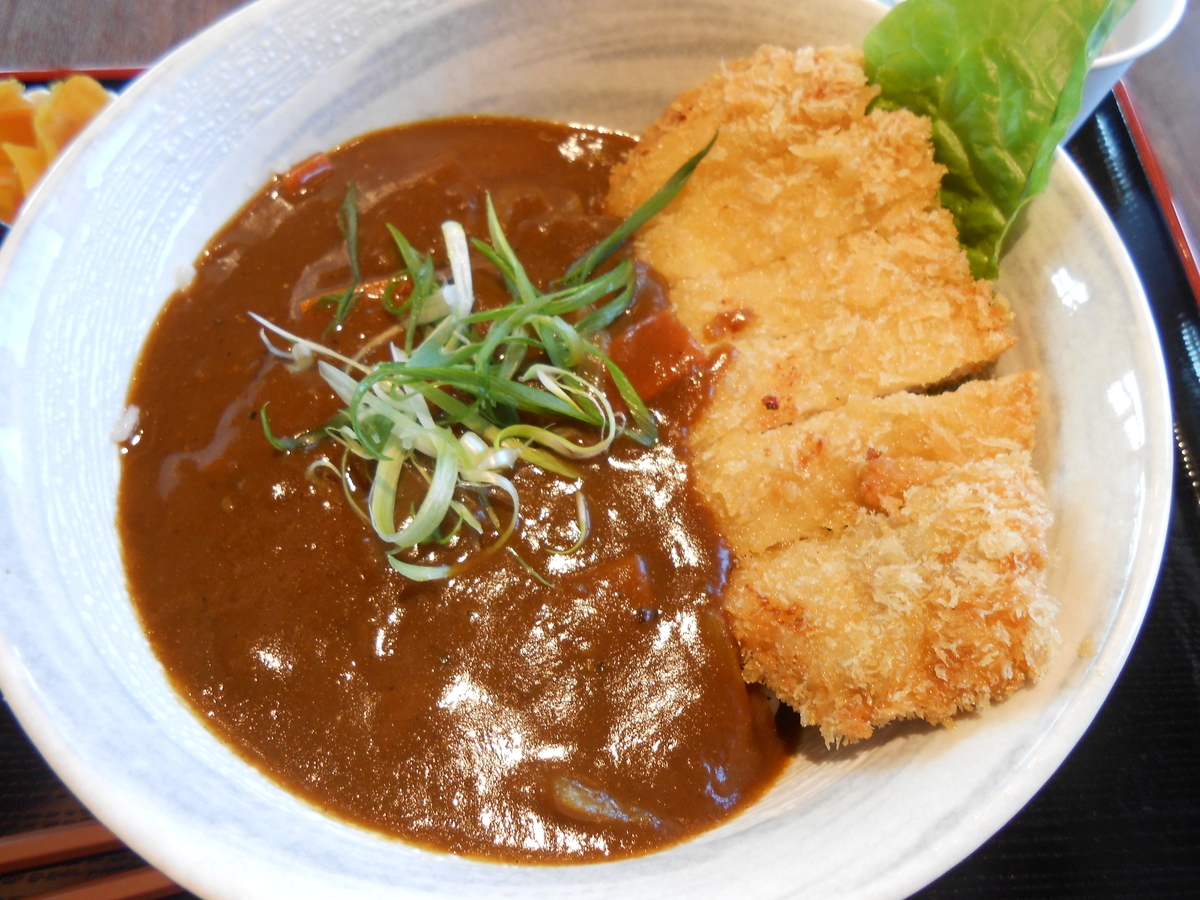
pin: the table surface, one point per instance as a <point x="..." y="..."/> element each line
<point x="1143" y="838"/>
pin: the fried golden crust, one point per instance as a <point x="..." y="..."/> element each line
<point x="806" y="480"/>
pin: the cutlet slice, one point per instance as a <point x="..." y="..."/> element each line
<point x="810" y="479"/>
<point x="772" y="381"/>
<point x="933" y="606"/>
<point x="782" y="173"/>
<point x="866" y="273"/>
<point x="811" y="239"/>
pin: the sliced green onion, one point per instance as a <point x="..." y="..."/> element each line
<point x="410" y="411"/>
<point x="583" y="267"/>
<point x="348" y="222"/>
<point x="277" y="443"/>
<point x="533" y="573"/>
<point x="583" y="519"/>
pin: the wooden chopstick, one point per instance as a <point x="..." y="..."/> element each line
<point x="68" y="842"/>
<point x="51" y="845"/>
<point x="143" y="883"/>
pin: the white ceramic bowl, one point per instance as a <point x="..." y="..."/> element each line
<point x="98" y="249"/>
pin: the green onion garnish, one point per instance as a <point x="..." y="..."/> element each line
<point x="460" y="393"/>
<point x="348" y="221"/>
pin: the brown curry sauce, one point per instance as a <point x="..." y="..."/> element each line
<point x="600" y="715"/>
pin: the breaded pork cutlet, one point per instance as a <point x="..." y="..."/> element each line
<point x="811" y="238"/>
<point x="889" y="545"/>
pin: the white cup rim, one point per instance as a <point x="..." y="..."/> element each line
<point x="1146" y="44"/>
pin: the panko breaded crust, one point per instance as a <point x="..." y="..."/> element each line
<point x="889" y="543"/>
<point x="935" y="607"/>
<point x="817" y="228"/>
<point x="810" y="479"/>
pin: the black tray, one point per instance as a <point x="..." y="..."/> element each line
<point x="1121" y="817"/>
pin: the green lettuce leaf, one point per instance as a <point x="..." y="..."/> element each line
<point x="1002" y="81"/>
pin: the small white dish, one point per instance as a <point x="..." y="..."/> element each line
<point x="99" y="248"/>
<point x="1147" y="24"/>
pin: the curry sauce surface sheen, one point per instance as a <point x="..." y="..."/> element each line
<point x="490" y="714"/>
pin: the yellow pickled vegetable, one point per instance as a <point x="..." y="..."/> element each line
<point x="34" y="128"/>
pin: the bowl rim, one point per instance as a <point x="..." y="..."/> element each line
<point x="1022" y="785"/>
